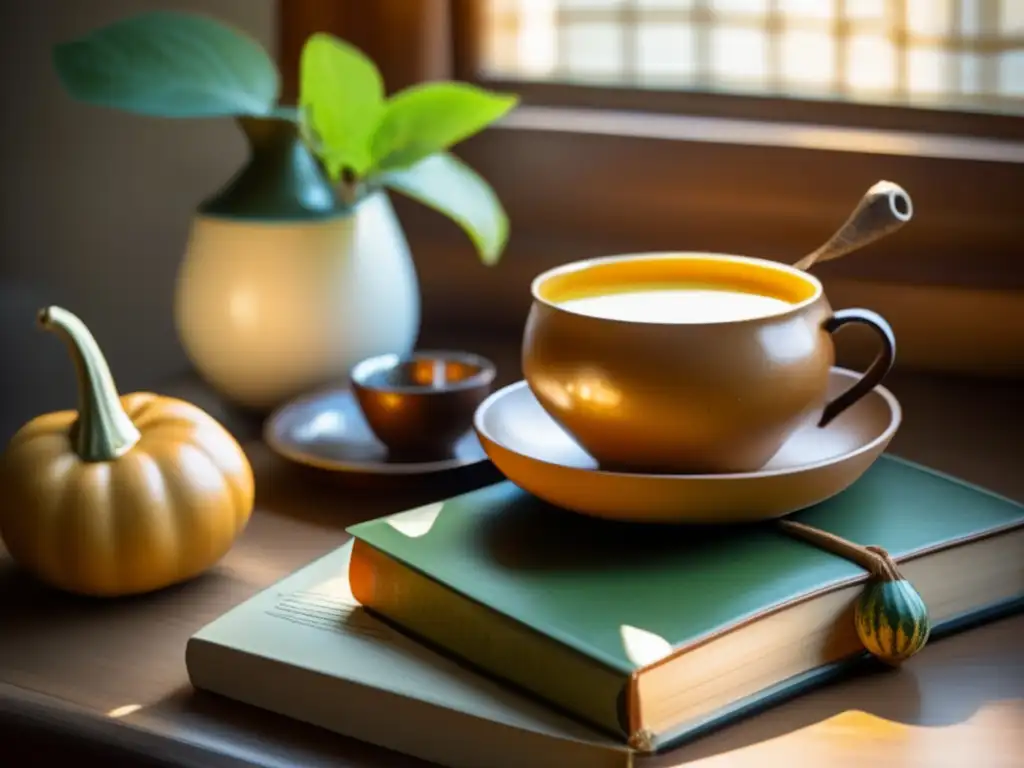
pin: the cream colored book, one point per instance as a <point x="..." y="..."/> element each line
<point x="304" y="648"/>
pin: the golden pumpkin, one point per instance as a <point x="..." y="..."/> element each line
<point x="125" y="495"/>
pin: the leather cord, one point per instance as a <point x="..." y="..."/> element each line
<point x="873" y="559"/>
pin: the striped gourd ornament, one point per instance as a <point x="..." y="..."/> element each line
<point x="890" y="616"/>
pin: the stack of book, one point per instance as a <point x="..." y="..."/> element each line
<point x="493" y="629"/>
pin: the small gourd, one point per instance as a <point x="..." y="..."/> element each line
<point x="890" y="616"/>
<point x="126" y="495"/>
<point x="892" y="619"/>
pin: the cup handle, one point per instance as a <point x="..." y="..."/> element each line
<point x="877" y="371"/>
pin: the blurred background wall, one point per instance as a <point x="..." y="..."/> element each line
<point x="95" y="205"/>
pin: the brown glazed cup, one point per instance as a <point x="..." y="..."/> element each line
<point x="688" y="398"/>
<point x="420" y="405"/>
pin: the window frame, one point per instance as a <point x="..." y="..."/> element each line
<point x="468" y="25"/>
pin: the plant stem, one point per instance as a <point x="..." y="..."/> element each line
<point x="348" y="188"/>
<point x="103" y="430"/>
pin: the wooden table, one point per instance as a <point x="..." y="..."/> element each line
<point x="107" y="678"/>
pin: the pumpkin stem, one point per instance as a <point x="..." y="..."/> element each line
<point x="103" y="430"/>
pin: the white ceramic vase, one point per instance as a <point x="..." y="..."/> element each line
<point x="280" y="290"/>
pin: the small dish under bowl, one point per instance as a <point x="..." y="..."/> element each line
<point x="421" y="404"/>
<point x="816" y="463"/>
<point x="327" y="430"/>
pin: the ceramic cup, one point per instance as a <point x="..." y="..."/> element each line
<point x="421" y="404"/>
<point x="687" y="362"/>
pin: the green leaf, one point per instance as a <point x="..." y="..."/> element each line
<point x="342" y="97"/>
<point x="449" y="186"/>
<point x="167" y="64"/>
<point x="430" y="117"/>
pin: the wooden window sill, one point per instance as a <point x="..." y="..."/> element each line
<point x="761" y="132"/>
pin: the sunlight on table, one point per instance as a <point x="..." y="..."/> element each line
<point x="127" y="709"/>
<point x="854" y="739"/>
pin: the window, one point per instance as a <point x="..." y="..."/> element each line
<point x="736" y="126"/>
<point x="952" y="54"/>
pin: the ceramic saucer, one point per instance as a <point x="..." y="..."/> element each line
<point x="532" y="451"/>
<point x="327" y="430"/>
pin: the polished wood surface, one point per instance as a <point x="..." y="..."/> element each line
<point x="107" y="677"/>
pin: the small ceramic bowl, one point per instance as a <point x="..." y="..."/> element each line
<point x="419" y="405"/>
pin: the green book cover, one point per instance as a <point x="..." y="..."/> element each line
<point x="577" y="581"/>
